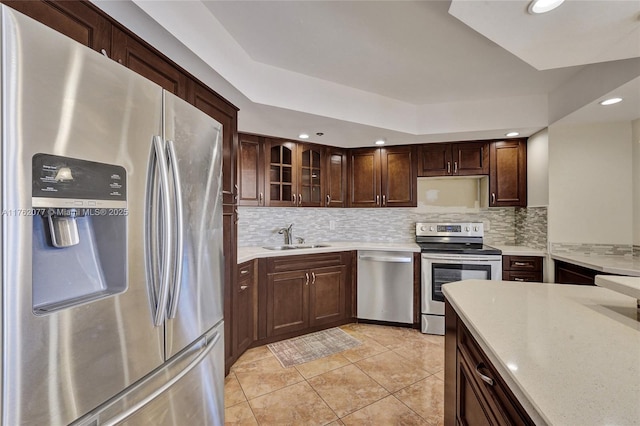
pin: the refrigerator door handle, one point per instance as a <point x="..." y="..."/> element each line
<point x="208" y="346"/>
<point x="165" y="269"/>
<point x="179" y="235"/>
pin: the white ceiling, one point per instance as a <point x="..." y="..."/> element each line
<point x="576" y="33"/>
<point x="410" y="51"/>
<point x="627" y="110"/>
<point x="405" y="71"/>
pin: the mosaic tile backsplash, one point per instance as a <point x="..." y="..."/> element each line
<point x="259" y="225"/>
<point x="531" y="227"/>
<point x="593" y="249"/>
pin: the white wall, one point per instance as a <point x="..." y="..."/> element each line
<point x="590" y="183"/>
<point x="635" y="126"/>
<point x="538" y="169"/>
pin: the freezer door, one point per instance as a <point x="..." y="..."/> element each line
<point x="61" y="98"/>
<point x="188" y="390"/>
<point x="194" y="145"/>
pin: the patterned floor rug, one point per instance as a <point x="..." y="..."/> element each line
<point x="312" y="346"/>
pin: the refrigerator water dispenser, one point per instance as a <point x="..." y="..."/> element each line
<point x="79" y="231"/>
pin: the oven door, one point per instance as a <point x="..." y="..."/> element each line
<point x="439" y="269"/>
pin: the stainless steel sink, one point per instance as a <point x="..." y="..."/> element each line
<point x="296" y="246"/>
<point x="303" y="246"/>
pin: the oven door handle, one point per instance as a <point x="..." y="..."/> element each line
<point x="462" y="258"/>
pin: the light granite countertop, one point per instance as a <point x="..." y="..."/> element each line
<point x="624" y="285"/>
<point x="520" y="251"/>
<point x="621" y="265"/>
<point x="249" y="253"/>
<point x="570" y="354"/>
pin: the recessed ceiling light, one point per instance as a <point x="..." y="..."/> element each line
<point x="610" y="101"/>
<point x="303" y="136"/>
<point x="380" y="142"/>
<point x="543" y="6"/>
<point x="511" y="134"/>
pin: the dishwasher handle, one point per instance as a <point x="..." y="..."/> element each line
<point x="386" y="259"/>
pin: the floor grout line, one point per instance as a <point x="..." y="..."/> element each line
<point x="387" y="348"/>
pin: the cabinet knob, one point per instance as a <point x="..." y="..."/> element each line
<point x="448" y="167"/>
<point x="384" y="200"/>
<point x="377" y="200"/>
<point x="328" y="200"/>
<point x="455" y="167"/>
<point x="299" y="199"/>
<point x="260" y="199"/>
<point x="493" y="197"/>
<point x="243" y="287"/>
<point x="306" y="274"/>
<point x="313" y="276"/>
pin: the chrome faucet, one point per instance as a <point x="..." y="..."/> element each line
<point x="288" y="233"/>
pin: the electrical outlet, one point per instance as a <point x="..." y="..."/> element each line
<point x="332" y="225"/>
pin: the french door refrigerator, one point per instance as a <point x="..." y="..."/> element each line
<point x="111" y="234"/>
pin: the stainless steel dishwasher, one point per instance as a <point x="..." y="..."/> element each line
<point x="385" y="286"/>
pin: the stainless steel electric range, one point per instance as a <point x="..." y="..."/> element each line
<point x="452" y="252"/>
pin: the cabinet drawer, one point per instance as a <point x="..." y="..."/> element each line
<point x="302" y="262"/>
<point x="502" y="403"/>
<point x="526" y="276"/>
<point x="522" y="263"/>
<point x="245" y="271"/>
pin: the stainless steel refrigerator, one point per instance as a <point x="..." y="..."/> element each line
<point x="112" y="278"/>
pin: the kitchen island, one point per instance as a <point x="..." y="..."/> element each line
<point x="562" y="354"/>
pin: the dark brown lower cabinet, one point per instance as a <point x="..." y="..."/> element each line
<point x="522" y="268"/>
<point x="287" y="302"/>
<point x="244" y="307"/>
<point x="475" y="394"/>
<point x="327" y="295"/>
<point x="229" y="247"/>
<point x="306" y="292"/>
<point x="568" y="273"/>
<point x="470" y="408"/>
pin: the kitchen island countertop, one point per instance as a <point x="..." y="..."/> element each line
<point x="569" y="353"/>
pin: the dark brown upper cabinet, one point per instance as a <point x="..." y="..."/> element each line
<point x="453" y="159"/>
<point x="277" y="172"/>
<point x="77" y="20"/>
<point x="335" y="177"/>
<point x="311" y="168"/>
<point x="280" y="171"/>
<point x="383" y="177"/>
<point x="508" y="178"/>
<point x="134" y="55"/>
<point x="250" y="170"/>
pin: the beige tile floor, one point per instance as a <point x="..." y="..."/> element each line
<point x="394" y="378"/>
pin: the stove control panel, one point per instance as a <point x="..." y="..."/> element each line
<point x="467" y="229"/>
